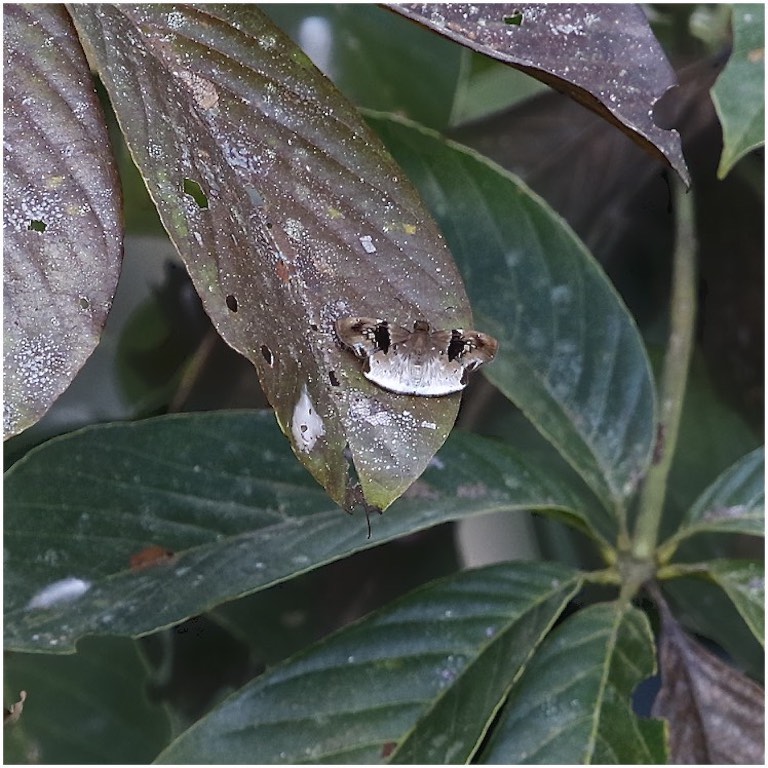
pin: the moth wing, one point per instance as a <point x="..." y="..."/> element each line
<point x="477" y="349"/>
<point x="441" y="339"/>
<point x="398" y="334"/>
<point x="359" y="334"/>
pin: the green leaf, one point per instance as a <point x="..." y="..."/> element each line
<point x="422" y="662"/>
<point x="570" y="355"/>
<point x="739" y="93"/>
<point x="288" y="214"/>
<point x="744" y="582"/>
<point x="376" y="58"/>
<point x="573" y="704"/>
<point x="90" y="707"/>
<point x="138" y="526"/>
<point x="734" y="503"/>
<point x="62" y="230"/>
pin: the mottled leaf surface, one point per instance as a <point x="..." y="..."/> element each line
<point x="734" y="503"/>
<point x="166" y="518"/>
<point x="288" y="214"/>
<point x="715" y="713"/>
<point x="90" y="707"/>
<point x="573" y="704"/>
<point x="62" y="229"/>
<point x="603" y="55"/>
<point x="570" y="355"/>
<point x="739" y="93"/>
<point x="387" y="676"/>
<point x="744" y="582"/>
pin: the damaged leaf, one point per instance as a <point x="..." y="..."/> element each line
<point x="715" y="713"/>
<point x="62" y="228"/>
<point x="288" y="214"/>
<point x="603" y="55"/>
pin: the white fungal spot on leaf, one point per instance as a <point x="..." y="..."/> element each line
<point x="62" y="591"/>
<point x="306" y="425"/>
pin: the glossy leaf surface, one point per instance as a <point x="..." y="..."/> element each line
<point x="405" y="668"/>
<point x="573" y="704"/>
<point x="126" y="528"/>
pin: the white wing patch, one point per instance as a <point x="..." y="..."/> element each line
<point x="418" y="362"/>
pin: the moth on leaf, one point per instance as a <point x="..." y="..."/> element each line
<point x="415" y="362"/>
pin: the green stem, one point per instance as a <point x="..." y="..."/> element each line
<point x="674" y="374"/>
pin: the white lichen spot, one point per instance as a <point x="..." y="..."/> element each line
<point x="367" y="242"/>
<point x="306" y="425"/>
<point x="294" y="229"/>
<point x="62" y="591"/>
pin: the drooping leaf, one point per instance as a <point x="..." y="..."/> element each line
<point x="603" y="55"/>
<point x="141" y="525"/>
<point x="376" y="58"/>
<point x="573" y="704"/>
<point x="422" y="662"/>
<point x="739" y="93"/>
<point x="288" y="214"/>
<point x="570" y="355"/>
<point x="91" y="707"/>
<point x="62" y="229"/>
<point x="744" y="582"/>
<point x="715" y="713"/>
<point x="734" y="503"/>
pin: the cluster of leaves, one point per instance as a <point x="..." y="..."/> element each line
<point x="289" y="209"/>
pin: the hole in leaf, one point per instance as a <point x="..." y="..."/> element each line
<point x="515" y="19"/>
<point x="269" y="225"/>
<point x="334" y="378"/>
<point x="195" y="191"/>
<point x="266" y="353"/>
<point x="84" y="303"/>
<point x="36" y="225"/>
<point x="232" y="303"/>
<point x="313" y="326"/>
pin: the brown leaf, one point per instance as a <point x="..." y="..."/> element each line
<point x="716" y="714"/>
<point x="62" y="225"/>
<point x="603" y="55"/>
<point x="289" y="214"/>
